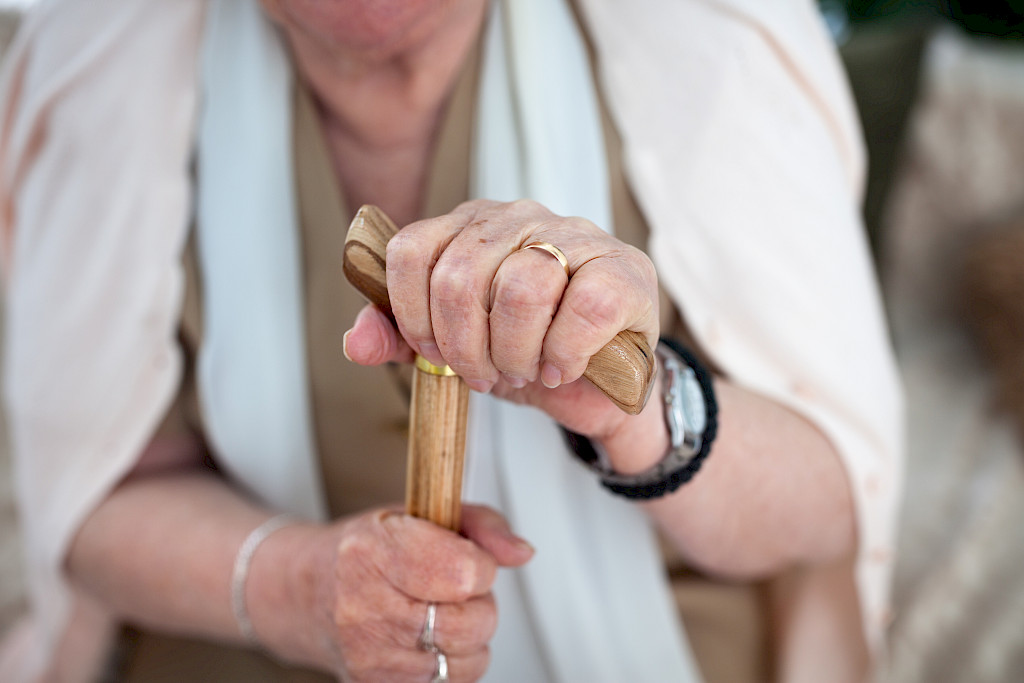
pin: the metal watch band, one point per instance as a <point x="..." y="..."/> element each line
<point x="688" y="449"/>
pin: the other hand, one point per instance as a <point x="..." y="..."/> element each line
<point x="371" y="584"/>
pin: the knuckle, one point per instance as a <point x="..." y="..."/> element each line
<point x="465" y="580"/>
<point x="476" y="205"/>
<point x="451" y="281"/>
<point x="526" y="206"/>
<point x="595" y="304"/>
<point x="354" y="546"/>
<point x="458" y="310"/>
<point x="531" y="211"/>
<point x="586" y="228"/>
<point x="520" y="295"/>
<point x="405" y="249"/>
<point x="641" y="261"/>
<point x="470" y="576"/>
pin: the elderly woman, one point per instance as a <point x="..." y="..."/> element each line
<point x="172" y="390"/>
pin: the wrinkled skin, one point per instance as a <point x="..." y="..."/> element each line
<point x="371" y="592"/>
<point x="508" y="320"/>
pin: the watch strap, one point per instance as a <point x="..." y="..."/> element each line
<point x="678" y="466"/>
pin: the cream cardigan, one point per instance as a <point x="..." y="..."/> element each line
<point x="739" y="139"/>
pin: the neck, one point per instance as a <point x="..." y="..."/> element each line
<point x="380" y="103"/>
<point x="389" y="92"/>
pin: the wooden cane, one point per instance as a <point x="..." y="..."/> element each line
<point x="623" y="369"/>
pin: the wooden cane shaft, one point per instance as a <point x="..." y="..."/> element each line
<point x="437" y="446"/>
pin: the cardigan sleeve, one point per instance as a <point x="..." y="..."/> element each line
<point x="741" y="144"/>
<point x="95" y="146"/>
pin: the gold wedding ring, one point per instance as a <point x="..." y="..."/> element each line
<point x="553" y="250"/>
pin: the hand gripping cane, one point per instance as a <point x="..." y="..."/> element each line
<point x="623" y="369"/>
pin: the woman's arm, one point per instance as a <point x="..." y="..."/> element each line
<point x="159" y="550"/>
<point x="772" y="493"/>
<point x="348" y="597"/>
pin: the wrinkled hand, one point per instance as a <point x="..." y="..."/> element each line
<point x="507" y="320"/>
<point x="372" y="582"/>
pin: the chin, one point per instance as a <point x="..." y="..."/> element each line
<point x="365" y="25"/>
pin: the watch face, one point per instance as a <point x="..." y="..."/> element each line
<point x="695" y="417"/>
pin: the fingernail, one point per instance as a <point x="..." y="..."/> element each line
<point x="550" y="376"/>
<point x="344" y="346"/>
<point x="517" y="382"/>
<point x="522" y="543"/>
<point x="515" y="540"/>
<point x="501" y="527"/>
<point x="479" y="385"/>
<point x="430" y="351"/>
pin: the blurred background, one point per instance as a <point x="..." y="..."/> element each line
<point x="940" y="89"/>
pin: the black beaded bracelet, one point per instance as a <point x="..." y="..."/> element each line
<point x="676" y="468"/>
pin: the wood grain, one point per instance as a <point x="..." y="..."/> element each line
<point x="623" y="369"/>
<point x="437" y="447"/>
<point x="365" y="257"/>
<point x="437" y="421"/>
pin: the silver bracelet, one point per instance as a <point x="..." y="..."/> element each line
<point x="241" y="572"/>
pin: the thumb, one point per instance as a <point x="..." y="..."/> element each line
<point x="490" y="530"/>
<point x="373" y="340"/>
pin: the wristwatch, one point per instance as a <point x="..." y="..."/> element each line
<point x="691" y="416"/>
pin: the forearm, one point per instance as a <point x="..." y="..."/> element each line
<point x="771" y="494"/>
<point x="346" y="597"/>
<point x="159" y="551"/>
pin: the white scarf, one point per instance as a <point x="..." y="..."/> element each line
<point x="594" y="600"/>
